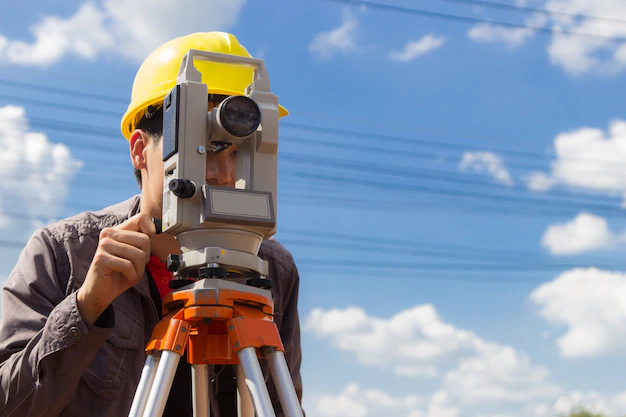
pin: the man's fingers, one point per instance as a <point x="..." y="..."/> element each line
<point x="120" y="265"/>
<point x="139" y="223"/>
<point x="136" y="239"/>
<point x="137" y="256"/>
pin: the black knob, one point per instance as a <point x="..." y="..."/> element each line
<point x="212" y="272"/>
<point x="173" y="262"/>
<point x="264" y="283"/>
<point x="182" y="188"/>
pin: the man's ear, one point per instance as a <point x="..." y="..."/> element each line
<point x="138" y="140"/>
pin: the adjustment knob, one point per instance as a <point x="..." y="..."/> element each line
<point x="261" y="282"/>
<point x="182" y="188"/>
<point x="173" y="262"/>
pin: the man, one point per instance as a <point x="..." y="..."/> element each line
<point x="81" y="304"/>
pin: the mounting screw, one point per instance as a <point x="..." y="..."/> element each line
<point x="201" y="149"/>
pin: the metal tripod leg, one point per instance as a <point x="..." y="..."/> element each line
<point x="200" y="391"/>
<point x="255" y="382"/>
<point x="145" y="384"/>
<point x="162" y="384"/>
<point x="245" y="408"/>
<point x="282" y="380"/>
<point x="284" y="384"/>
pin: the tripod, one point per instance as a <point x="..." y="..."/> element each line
<point x="216" y="321"/>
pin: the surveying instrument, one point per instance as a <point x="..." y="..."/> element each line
<point x="209" y="316"/>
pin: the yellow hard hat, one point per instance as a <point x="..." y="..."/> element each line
<point x="157" y="75"/>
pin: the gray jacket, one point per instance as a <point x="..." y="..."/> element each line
<point x="53" y="363"/>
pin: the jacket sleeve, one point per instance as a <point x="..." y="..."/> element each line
<point x="45" y="345"/>
<point x="290" y="334"/>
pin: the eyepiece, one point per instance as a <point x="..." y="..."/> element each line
<point x="240" y="116"/>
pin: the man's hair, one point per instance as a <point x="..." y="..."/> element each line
<point x="152" y="124"/>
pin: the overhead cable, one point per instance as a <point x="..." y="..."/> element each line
<point x="473" y="20"/>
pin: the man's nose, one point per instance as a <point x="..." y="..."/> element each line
<point x="218" y="170"/>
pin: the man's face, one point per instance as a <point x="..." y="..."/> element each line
<point x="221" y="170"/>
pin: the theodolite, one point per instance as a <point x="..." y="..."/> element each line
<point x="212" y="316"/>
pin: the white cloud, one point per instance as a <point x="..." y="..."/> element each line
<point x="142" y="25"/>
<point x="440" y="406"/>
<point x="539" y="181"/>
<point x="591" y="401"/>
<point x="575" y="54"/>
<point x="574" y="401"/>
<point x="489" y="162"/>
<point x="84" y="34"/>
<point x="499" y="373"/>
<point x="36" y="174"/>
<point x="512" y="38"/>
<point x="345" y="404"/>
<point x="413" y="49"/>
<point x="356" y="402"/>
<point x="418" y="339"/>
<point x="583" y="234"/>
<point x="592" y="304"/>
<point x="411" y="339"/>
<point x="130" y="28"/>
<point x="35" y="178"/>
<point x="339" y="40"/>
<point x="579" y="55"/>
<point x="587" y="158"/>
<point x="486" y="33"/>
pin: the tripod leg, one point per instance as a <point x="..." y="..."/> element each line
<point x="200" y="391"/>
<point x="145" y="384"/>
<point x="283" y="382"/>
<point x="162" y="384"/>
<point x="255" y="382"/>
<point x="245" y="408"/>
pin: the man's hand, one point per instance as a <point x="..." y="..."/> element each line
<point x="118" y="264"/>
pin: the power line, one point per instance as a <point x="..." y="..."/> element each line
<point x="348" y="166"/>
<point x="422" y="174"/>
<point x="379" y="243"/>
<point x="388" y="205"/>
<point x="392" y="205"/>
<point x="85" y="129"/>
<point x="466" y="19"/>
<point x="444" y="191"/>
<point x="61" y="106"/>
<point x="524" y="9"/>
<point x="401" y="139"/>
<point x="430" y="143"/>
<point x="477" y="265"/>
<point x="509" y="262"/>
<point x="405" y="174"/>
<point x="63" y="91"/>
<point x="408" y="243"/>
<point x="114" y="135"/>
<point x="77" y="128"/>
<point x="352" y="167"/>
<point x="92" y="110"/>
<point x="451" y="192"/>
<point x="73" y="128"/>
<point x="427" y="266"/>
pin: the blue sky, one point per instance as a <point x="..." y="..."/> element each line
<point x="452" y="193"/>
